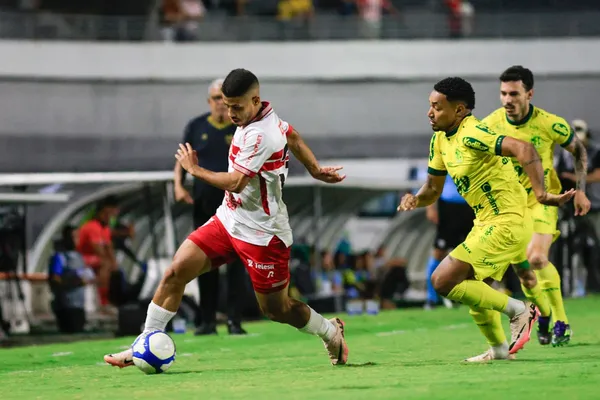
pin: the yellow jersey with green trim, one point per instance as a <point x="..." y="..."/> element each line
<point x="471" y="154"/>
<point x="543" y="130"/>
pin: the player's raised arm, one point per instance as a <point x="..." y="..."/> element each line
<point x="531" y="162"/>
<point x="304" y="154"/>
<point x="233" y="182"/>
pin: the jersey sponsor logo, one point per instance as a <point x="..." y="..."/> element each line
<point x="486" y="129"/>
<point x="458" y="156"/>
<point x="462" y="184"/>
<point x="487" y="189"/>
<point x="475" y="144"/>
<point x="561" y="129"/>
<point x="231" y="201"/>
<point x="267" y="267"/>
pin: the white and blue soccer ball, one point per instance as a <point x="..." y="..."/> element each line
<point x="154" y="352"/>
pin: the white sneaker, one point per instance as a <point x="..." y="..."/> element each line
<point x="336" y="347"/>
<point x="489" y="356"/>
<point x="124" y="358"/>
<point x="121" y="360"/>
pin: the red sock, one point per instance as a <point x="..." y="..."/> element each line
<point x="103" y="294"/>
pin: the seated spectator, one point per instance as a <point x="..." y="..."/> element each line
<point x="301" y="279"/>
<point x="67" y="276"/>
<point x="359" y="281"/>
<point x="394" y="282"/>
<point x="96" y="247"/>
<point x="329" y="280"/>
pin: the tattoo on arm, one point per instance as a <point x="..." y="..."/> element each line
<point x="580" y="156"/>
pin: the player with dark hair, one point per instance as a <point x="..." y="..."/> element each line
<point x="477" y="160"/>
<point x="252" y="222"/>
<point x="518" y="118"/>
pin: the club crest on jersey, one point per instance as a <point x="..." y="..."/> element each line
<point x="536" y="141"/>
<point x="561" y="129"/>
<point x="228" y="139"/>
<point x="475" y="144"/>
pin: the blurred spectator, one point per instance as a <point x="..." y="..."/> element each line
<point x="359" y="281"/>
<point x="394" y="283"/>
<point x="96" y="247"/>
<point x="67" y="276"/>
<point x="302" y="283"/>
<point x="455" y="16"/>
<point x="467" y="13"/>
<point x="588" y="226"/>
<point x="295" y="16"/>
<point x="371" y="12"/>
<point x="180" y="19"/>
<point x="329" y="280"/>
<point x="348" y="7"/>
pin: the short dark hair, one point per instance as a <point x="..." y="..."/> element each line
<point x="518" y="73"/>
<point x="238" y="82"/>
<point x="457" y="89"/>
<point x="108" y="202"/>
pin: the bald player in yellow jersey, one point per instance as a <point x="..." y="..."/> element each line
<point x="518" y="118"/>
<point x="478" y="161"/>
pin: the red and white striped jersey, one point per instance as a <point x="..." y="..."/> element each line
<point x="259" y="150"/>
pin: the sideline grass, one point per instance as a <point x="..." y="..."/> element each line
<point x="406" y="354"/>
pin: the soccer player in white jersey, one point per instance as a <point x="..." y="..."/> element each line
<point x="252" y="222"/>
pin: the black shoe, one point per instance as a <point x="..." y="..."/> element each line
<point x="206" y="329"/>
<point x="235" y="328"/>
<point x="544" y="335"/>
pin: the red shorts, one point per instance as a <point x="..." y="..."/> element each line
<point x="268" y="266"/>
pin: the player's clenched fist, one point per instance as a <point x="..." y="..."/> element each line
<point x="408" y="202"/>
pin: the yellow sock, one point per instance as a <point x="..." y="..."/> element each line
<point x="539" y="298"/>
<point x="490" y="325"/>
<point x="478" y="295"/>
<point x="549" y="280"/>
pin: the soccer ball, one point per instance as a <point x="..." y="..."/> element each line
<point x="153" y="353"/>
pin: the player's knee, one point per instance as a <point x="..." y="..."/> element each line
<point x="440" y="283"/>
<point x="538" y="259"/>
<point x="528" y="279"/>
<point x="173" y="276"/>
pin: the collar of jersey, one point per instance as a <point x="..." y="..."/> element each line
<point x="453" y="131"/>
<point x="524" y="120"/>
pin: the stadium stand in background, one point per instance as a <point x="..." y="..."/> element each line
<point x="98" y="130"/>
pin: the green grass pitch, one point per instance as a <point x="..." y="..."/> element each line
<point x="405" y="354"/>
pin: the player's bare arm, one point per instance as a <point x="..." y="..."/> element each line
<point x="531" y="161"/>
<point x="429" y="193"/>
<point x="579" y="152"/>
<point x="304" y="154"/>
<point x="233" y="182"/>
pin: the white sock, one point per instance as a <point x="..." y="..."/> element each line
<point x="317" y="325"/>
<point x="514" y="307"/>
<point x="157" y="318"/>
<point x="500" y="351"/>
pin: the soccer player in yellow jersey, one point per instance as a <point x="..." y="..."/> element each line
<point x="478" y="161"/>
<point x="518" y="118"/>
